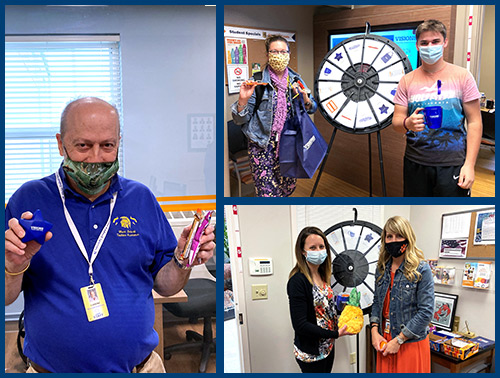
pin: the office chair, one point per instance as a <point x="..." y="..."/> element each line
<point x="238" y="155"/>
<point x="201" y="304"/>
<point x="20" y="338"/>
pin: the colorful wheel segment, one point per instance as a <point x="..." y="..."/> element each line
<point x="356" y="83"/>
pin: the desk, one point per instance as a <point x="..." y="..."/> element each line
<point x="158" y="326"/>
<point x="455" y="365"/>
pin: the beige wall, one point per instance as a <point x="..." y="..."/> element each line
<point x="268" y="321"/>
<point x="487" y="78"/>
<point x="482" y="47"/>
<point x="270" y="231"/>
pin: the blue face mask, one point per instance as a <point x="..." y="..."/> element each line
<point x="431" y="54"/>
<point x="316" y="257"/>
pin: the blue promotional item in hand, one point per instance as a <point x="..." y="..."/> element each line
<point x="302" y="148"/>
<point x="35" y="228"/>
<point x="433" y="116"/>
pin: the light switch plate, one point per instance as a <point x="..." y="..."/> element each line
<point x="259" y="291"/>
<point x="352" y="358"/>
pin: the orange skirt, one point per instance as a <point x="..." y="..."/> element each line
<point x="411" y="358"/>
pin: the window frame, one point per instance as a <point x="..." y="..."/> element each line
<point x="45" y="134"/>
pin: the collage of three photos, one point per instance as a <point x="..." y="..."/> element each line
<point x="346" y="136"/>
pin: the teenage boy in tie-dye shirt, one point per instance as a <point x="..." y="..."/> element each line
<point x="438" y="162"/>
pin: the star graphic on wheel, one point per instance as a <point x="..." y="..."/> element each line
<point x="338" y="56"/>
<point x="383" y="109"/>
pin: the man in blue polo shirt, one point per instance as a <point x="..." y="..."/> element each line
<point x="88" y="288"/>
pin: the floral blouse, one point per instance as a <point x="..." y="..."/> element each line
<point x="326" y="317"/>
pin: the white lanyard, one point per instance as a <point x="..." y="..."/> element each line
<point x="76" y="234"/>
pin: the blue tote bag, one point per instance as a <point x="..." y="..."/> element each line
<point x="302" y="148"/>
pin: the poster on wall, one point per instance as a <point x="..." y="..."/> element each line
<point x="448" y="276"/>
<point x="470" y="269"/>
<point x="442" y="274"/>
<point x="236" y="51"/>
<point x="256" y="68"/>
<point x="239" y="32"/>
<point x="435" y="270"/>
<point x="484" y="232"/>
<point x="454" y="235"/>
<point x="482" y="278"/>
<point x="444" y="310"/>
<point x="455" y="226"/>
<point x="201" y="131"/>
<point x="237" y="74"/>
<point x="239" y="68"/>
<point x="477" y="274"/>
<point x="236" y="63"/>
<point x="453" y="248"/>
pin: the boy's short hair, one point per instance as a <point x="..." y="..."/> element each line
<point x="431" y="25"/>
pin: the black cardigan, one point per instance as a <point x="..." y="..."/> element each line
<point x="303" y="315"/>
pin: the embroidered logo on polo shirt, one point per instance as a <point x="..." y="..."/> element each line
<point x="125" y="226"/>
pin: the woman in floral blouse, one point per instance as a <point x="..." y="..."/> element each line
<point x="311" y="301"/>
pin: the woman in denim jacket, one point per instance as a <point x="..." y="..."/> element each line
<point x="403" y="302"/>
<point x="263" y="125"/>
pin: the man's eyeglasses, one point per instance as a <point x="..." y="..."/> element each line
<point x="282" y="52"/>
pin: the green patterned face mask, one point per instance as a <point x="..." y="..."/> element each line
<point x="91" y="178"/>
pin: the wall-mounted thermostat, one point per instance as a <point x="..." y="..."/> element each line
<point x="261" y="266"/>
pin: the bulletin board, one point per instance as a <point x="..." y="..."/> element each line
<point x="256" y="47"/>
<point x="473" y="251"/>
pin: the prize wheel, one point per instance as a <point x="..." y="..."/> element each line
<point x="355" y="248"/>
<point x="356" y="83"/>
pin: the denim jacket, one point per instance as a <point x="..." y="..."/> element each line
<point x="257" y="127"/>
<point x="412" y="303"/>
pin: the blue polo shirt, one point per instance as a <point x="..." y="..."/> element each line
<point x="139" y="243"/>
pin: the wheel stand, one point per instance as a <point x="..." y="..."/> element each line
<point x="381" y="160"/>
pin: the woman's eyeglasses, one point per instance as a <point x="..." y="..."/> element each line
<point x="282" y="52"/>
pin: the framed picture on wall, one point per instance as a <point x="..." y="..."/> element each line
<point x="201" y="131"/>
<point x="445" y="306"/>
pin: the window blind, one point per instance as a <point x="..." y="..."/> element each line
<point x="42" y="75"/>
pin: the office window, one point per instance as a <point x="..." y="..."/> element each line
<point x="43" y="74"/>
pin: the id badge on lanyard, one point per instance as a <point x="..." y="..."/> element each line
<point x="92" y="295"/>
<point x="94" y="302"/>
<point x="387" y="326"/>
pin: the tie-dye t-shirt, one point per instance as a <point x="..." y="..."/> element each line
<point x="444" y="146"/>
